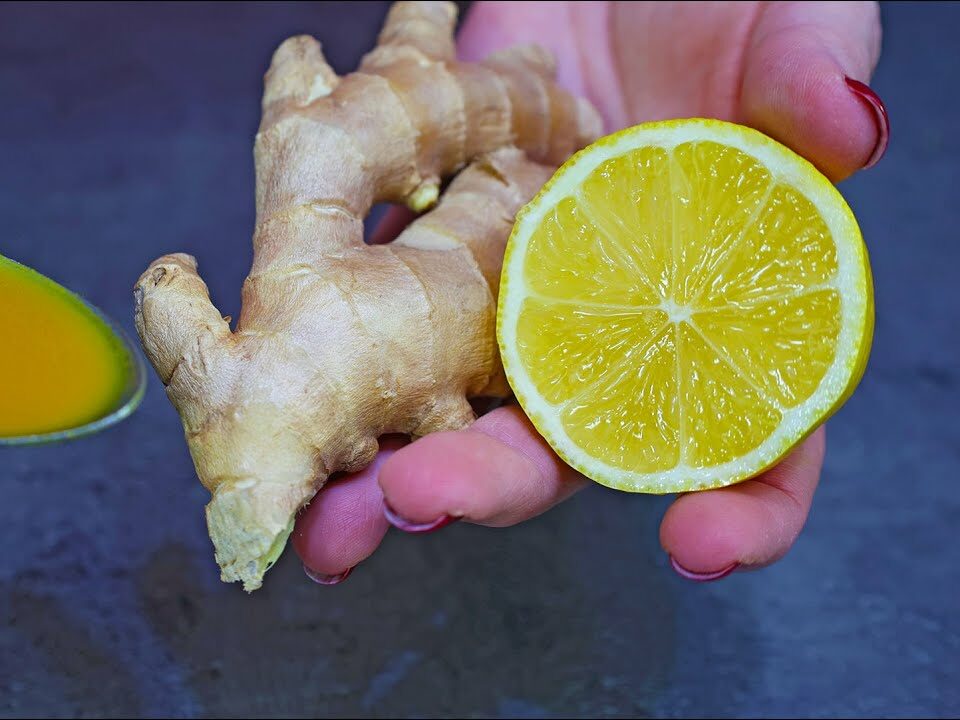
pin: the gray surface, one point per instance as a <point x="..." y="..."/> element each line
<point x="126" y="133"/>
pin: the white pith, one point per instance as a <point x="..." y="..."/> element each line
<point x="851" y="282"/>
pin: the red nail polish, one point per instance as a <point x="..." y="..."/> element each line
<point x="322" y="579"/>
<point x="699" y="576"/>
<point x="401" y="523"/>
<point x="873" y="101"/>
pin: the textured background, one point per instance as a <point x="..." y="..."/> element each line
<point x="126" y="132"/>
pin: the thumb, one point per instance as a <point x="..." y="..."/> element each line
<point x="804" y="83"/>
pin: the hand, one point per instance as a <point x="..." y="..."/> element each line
<point x="792" y="70"/>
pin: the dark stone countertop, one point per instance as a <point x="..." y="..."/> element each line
<point x="125" y="132"/>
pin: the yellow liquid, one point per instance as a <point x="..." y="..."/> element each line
<point x="61" y="366"/>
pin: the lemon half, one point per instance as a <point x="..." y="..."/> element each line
<point x="682" y="304"/>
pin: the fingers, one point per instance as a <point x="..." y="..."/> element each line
<point x="344" y="524"/>
<point x="796" y="84"/>
<point x="749" y="525"/>
<point x="498" y="472"/>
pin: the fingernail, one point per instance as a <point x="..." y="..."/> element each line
<point x="322" y="579"/>
<point x="880" y="116"/>
<point x="401" y="523"/>
<point x="700" y="576"/>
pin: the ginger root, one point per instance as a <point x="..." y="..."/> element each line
<point x="339" y="342"/>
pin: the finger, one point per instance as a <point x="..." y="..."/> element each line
<point x="392" y="224"/>
<point x="797" y="85"/>
<point x="498" y="472"/>
<point x="344" y="523"/>
<point x="749" y="525"/>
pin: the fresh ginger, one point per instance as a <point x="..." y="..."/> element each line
<point x="339" y="342"/>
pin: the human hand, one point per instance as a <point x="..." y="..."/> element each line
<point x="792" y="70"/>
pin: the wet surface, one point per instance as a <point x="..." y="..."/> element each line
<point x="126" y="132"/>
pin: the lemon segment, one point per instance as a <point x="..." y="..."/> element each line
<point x="784" y="346"/>
<point x="567" y="346"/>
<point x="682" y="304"/>
<point x="631" y="419"/>
<point x="724" y="416"/>
<point x="718" y="192"/>
<point x="571" y="260"/>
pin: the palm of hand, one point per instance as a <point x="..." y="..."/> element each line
<point x="782" y="68"/>
<point x="779" y="67"/>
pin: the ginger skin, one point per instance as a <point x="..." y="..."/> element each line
<point x="339" y="342"/>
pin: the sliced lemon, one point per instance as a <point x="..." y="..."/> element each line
<point x="682" y="304"/>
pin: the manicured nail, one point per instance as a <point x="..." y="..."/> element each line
<point x="401" y="523"/>
<point x="700" y="576"/>
<point x="322" y="579"/>
<point x="880" y="116"/>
